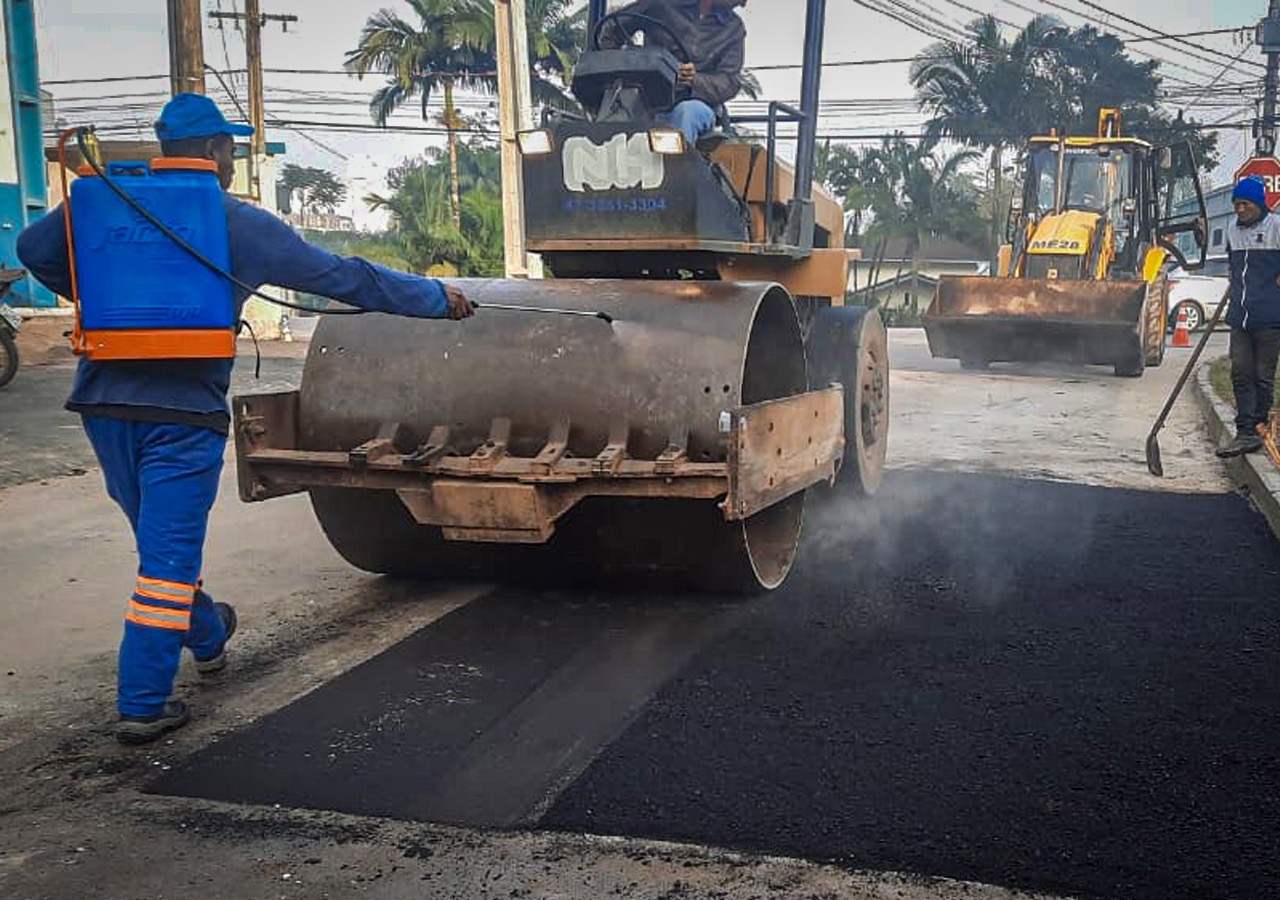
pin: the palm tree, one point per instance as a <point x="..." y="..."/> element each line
<point x="908" y="193"/>
<point x="987" y="91"/>
<point x="557" y="34"/>
<point x="440" y="54"/>
<point x="924" y="199"/>
<point x="421" y="216"/>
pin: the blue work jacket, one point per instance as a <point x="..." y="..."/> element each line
<point x="1255" y="267"/>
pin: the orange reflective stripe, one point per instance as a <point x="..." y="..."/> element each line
<point x="153" y="623"/>
<point x="156" y="595"/>
<point x="159" y="617"/>
<point x="161" y="583"/>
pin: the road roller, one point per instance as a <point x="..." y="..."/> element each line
<point x="663" y="404"/>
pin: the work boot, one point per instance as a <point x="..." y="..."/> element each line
<point x="145" y="729"/>
<point x="1240" y="445"/>
<point x="218" y="661"/>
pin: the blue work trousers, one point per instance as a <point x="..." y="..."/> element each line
<point x="1254" y="356"/>
<point x="693" y="117"/>
<point x="165" y="478"/>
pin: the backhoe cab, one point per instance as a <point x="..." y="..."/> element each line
<point x="1082" y="275"/>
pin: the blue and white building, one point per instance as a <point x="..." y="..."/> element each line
<point x="23" y="192"/>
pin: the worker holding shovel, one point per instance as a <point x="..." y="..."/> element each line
<point x="1253" y="313"/>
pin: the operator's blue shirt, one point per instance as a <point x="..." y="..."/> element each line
<point x="264" y="250"/>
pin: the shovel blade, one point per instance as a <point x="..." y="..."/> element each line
<point x="1154" y="464"/>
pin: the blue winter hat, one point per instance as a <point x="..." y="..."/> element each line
<point x="195" y="116"/>
<point x="1252" y="189"/>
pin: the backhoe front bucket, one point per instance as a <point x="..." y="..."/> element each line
<point x="980" y="320"/>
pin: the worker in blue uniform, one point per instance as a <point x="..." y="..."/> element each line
<point x="159" y="427"/>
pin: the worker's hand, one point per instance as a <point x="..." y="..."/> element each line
<point x="686" y="73"/>
<point x="459" y="306"/>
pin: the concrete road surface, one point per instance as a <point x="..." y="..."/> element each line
<point x="74" y="820"/>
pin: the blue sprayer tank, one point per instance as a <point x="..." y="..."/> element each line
<point x="141" y="294"/>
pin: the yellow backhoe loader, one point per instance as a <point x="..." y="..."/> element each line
<point x="1082" y="275"/>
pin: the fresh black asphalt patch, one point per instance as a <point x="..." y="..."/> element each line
<point x="1038" y="685"/>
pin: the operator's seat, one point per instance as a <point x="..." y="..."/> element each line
<point x="745" y="162"/>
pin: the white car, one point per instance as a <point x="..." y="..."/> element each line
<point x="1199" y="293"/>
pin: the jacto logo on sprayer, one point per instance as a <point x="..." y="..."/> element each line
<point x="626" y="162"/>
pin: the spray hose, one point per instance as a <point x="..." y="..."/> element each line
<point x="83" y="136"/>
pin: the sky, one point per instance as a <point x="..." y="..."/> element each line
<point x="92" y="39"/>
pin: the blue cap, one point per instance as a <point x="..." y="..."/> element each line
<point x="1252" y="189"/>
<point x="195" y="116"/>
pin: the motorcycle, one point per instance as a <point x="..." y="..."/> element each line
<point x="10" y="325"/>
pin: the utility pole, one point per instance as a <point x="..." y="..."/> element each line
<point x="1268" y="37"/>
<point x="254" y="20"/>
<point x="186" y="47"/>
<point x="514" y="115"/>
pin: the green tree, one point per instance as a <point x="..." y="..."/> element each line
<point x="921" y="195"/>
<point x="994" y="92"/>
<point x="441" y="53"/>
<point x="557" y="33"/>
<point x="316" y="189"/>
<point x="452" y="48"/>
<point x="903" y="190"/>
<point x="985" y="90"/>
<point x="1090" y="70"/>
<point x="418" y="202"/>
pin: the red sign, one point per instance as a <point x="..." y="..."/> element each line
<point x="1268" y="169"/>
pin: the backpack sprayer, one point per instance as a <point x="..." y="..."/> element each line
<point x="150" y="277"/>
<point x="144" y="288"/>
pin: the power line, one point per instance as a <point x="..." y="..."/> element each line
<point x="1113" y="32"/>
<point x="903" y="20"/>
<point x="1242" y="29"/>
<point x="1160" y="35"/>
<point x="227" y="89"/>
<point x="113" y="79"/>
<point x="1119" y="32"/>
<point x="1225" y="69"/>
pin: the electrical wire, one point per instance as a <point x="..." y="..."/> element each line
<point x="1160" y="35"/>
<point x="901" y="19"/>
<point x="1121" y="33"/>
<point x="1114" y="32"/>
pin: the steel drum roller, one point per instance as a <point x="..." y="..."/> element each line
<point x="676" y="356"/>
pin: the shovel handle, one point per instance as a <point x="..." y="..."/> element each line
<point x="1191" y="363"/>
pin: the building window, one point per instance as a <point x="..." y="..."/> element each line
<point x="1217" y="237"/>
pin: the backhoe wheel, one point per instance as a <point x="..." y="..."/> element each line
<point x="1156" y="316"/>
<point x="849" y="345"/>
<point x="1132" y="368"/>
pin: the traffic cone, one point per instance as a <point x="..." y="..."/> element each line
<point x="1181" y="334"/>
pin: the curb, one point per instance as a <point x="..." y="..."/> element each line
<point x="1255" y="476"/>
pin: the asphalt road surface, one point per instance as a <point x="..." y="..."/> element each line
<point x="1027" y="665"/>
<point x="1078" y="712"/>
